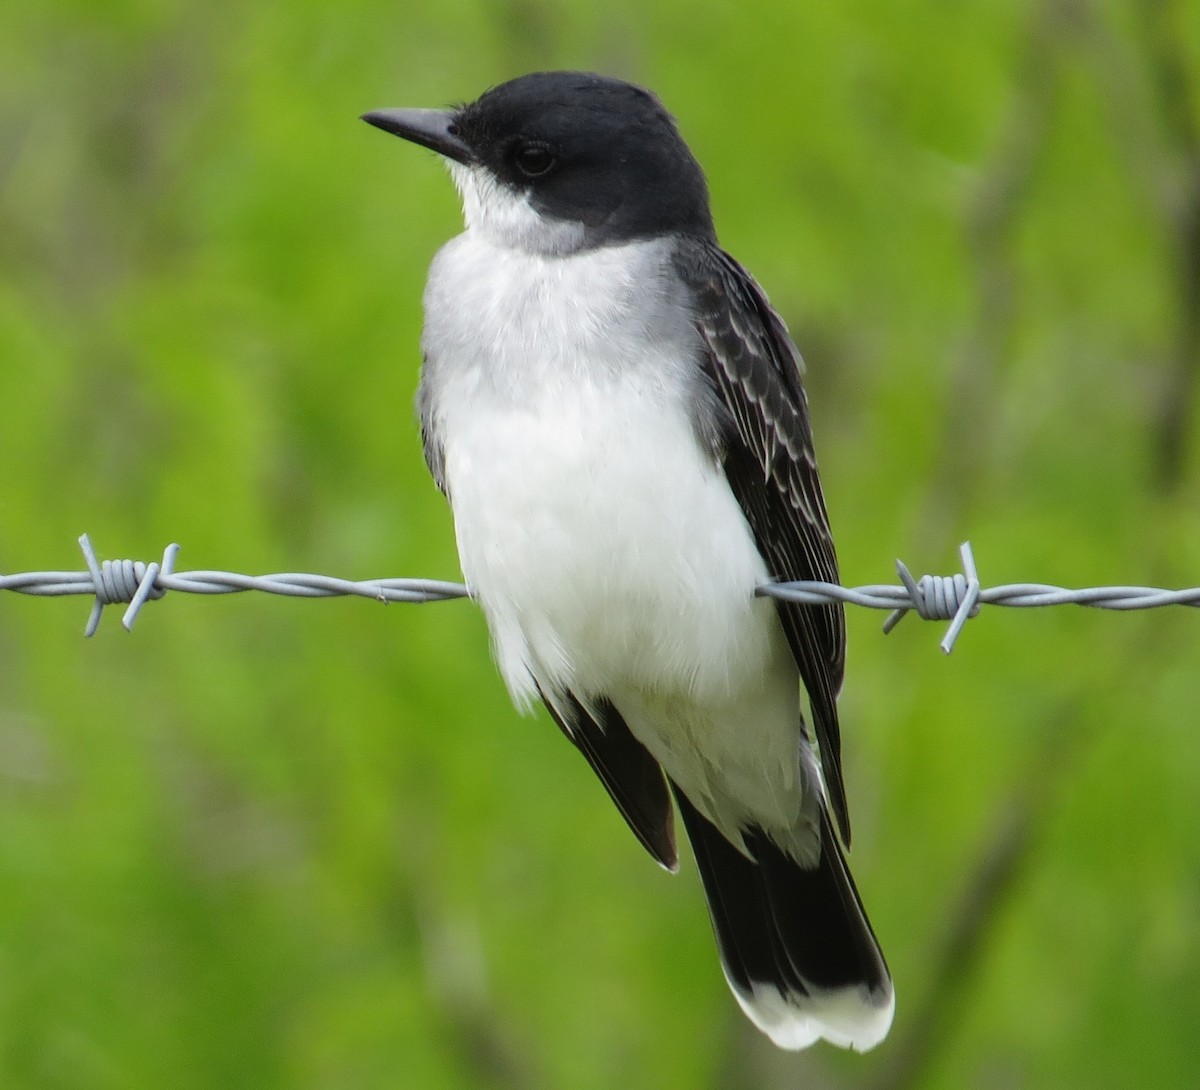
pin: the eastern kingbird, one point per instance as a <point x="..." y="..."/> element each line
<point x="615" y="413"/>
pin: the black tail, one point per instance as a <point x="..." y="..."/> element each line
<point x="795" y="943"/>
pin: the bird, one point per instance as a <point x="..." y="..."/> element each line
<point x="616" y="415"/>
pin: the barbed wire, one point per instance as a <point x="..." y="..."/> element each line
<point x="953" y="598"/>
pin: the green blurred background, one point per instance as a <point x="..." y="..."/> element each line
<point x="274" y="843"/>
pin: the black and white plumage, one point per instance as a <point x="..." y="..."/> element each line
<point x="616" y="415"/>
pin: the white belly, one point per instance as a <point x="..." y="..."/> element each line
<point x="602" y="527"/>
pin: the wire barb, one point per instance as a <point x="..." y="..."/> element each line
<point x="131" y="581"/>
<point x="953" y="598"/>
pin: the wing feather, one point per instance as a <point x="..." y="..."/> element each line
<point x="768" y="458"/>
<point x="633" y="778"/>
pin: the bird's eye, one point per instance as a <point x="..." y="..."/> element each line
<point x="533" y="160"/>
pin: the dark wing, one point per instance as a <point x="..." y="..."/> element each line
<point x="633" y="778"/>
<point x="767" y="453"/>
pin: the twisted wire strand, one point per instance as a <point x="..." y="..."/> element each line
<point x="954" y="598"/>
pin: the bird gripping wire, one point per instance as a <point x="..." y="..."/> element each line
<point x="953" y="598"/>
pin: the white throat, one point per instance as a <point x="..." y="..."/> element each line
<point x="507" y="218"/>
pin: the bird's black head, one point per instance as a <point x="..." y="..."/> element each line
<point x="596" y="160"/>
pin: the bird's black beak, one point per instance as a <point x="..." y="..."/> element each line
<point x="432" y="129"/>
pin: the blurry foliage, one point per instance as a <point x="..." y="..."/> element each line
<point x="269" y="843"/>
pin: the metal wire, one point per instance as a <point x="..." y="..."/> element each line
<point x="953" y="598"/>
